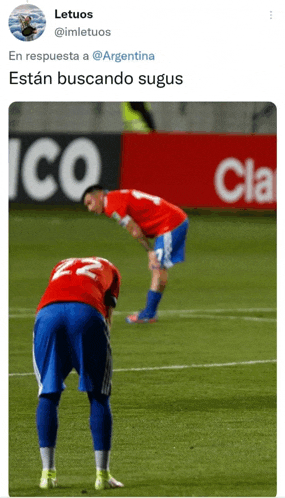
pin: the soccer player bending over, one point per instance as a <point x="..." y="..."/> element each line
<point x="145" y="216"/>
<point x="72" y="330"/>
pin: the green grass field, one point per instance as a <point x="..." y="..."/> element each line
<point x="207" y="429"/>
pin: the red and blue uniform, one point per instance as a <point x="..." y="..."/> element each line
<point x="157" y="218"/>
<point x="70" y="328"/>
<point x="71" y="331"/>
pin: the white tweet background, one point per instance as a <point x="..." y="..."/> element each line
<point x="225" y="51"/>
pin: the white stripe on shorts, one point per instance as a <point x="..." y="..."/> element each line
<point x="106" y="384"/>
<point x="36" y="370"/>
<point x="167" y="241"/>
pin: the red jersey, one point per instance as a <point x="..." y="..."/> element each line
<point x="154" y="215"/>
<point x="86" y="280"/>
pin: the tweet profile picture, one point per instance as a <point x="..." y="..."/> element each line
<point x="27" y="22"/>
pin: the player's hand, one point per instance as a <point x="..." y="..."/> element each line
<point x="153" y="263"/>
<point x="109" y="317"/>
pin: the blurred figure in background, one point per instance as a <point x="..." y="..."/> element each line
<point x="137" y="117"/>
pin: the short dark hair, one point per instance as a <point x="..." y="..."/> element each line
<point x="90" y="189"/>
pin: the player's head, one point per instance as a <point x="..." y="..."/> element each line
<point x="93" y="198"/>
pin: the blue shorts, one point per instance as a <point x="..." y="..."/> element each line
<point x="72" y="335"/>
<point x="170" y="247"/>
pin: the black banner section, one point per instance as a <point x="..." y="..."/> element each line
<point x="56" y="168"/>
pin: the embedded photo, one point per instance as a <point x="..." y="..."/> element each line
<point x="142" y="299"/>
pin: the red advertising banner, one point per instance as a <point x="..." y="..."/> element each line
<point x="202" y="170"/>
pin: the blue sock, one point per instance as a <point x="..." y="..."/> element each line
<point x="100" y="421"/>
<point x="46" y="419"/>
<point x="152" y="302"/>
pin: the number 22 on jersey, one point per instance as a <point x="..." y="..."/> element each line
<point x="89" y="265"/>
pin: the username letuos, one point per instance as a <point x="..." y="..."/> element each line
<point x="73" y="15"/>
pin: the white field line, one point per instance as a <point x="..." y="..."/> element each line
<point x="203" y="317"/>
<point x="30" y="313"/>
<point x="172" y="367"/>
<point x="211" y="310"/>
<point x="224" y="317"/>
<point x="23" y="315"/>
